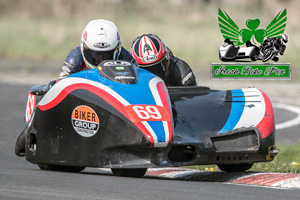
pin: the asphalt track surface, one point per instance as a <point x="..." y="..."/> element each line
<point x="20" y="179"/>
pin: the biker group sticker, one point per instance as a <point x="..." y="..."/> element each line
<point x="85" y="121"/>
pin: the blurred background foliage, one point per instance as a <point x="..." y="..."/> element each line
<point x="45" y="30"/>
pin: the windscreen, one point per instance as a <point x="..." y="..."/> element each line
<point x="119" y="71"/>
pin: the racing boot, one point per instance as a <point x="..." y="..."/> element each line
<point x="20" y="145"/>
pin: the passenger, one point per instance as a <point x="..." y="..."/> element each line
<point x="151" y="54"/>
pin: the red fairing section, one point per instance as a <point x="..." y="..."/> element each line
<point x="266" y="126"/>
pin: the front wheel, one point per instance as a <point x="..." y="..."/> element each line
<point x="235" y="167"/>
<point x="135" y="172"/>
<point x="60" y="168"/>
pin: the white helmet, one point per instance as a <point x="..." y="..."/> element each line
<point x="100" y="41"/>
<point x="284" y="38"/>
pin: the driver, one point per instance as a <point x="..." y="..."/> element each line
<point x="270" y="48"/>
<point x="151" y="54"/>
<point x="100" y="41"/>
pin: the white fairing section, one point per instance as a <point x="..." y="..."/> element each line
<point x="254" y="109"/>
<point x="153" y="88"/>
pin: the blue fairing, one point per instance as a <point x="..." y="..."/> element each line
<point x="237" y="108"/>
<point x="133" y="93"/>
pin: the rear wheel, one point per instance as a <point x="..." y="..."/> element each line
<point x="267" y="55"/>
<point x="61" y="168"/>
<point x="135" y="172"/>
<point x="235" y="167"/>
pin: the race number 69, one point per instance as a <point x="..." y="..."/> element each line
<point x="147" y="113"/>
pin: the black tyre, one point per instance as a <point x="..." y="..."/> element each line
<point x="136" y="172"/>
<point x="61" y="168"/>
<point x="235" y="167"/>
<point x="267" y="55"/>
<point x="275" y="59"/>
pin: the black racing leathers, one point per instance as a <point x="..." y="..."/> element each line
<point x="74" y="61"/>
<point x="180" y="73"/>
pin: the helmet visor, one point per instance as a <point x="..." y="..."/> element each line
<point x="96" y="57"/>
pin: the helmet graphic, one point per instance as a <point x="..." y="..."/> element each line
<point x="151" y="53"/>
<point x="100" y="41"/>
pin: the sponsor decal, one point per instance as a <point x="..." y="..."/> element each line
<point x="114" y="63"/>
<point x="186" y="78"/>
<point x="85" y="121"/>
<point x="101" y="45"/>
<point x="138" y="113"/>
<point x="85" y="36"/>
<point x="124" y="77"/>
<point x="149" y="58"/>
<point x="122" y="73"/>
<point x="31" y="101"/>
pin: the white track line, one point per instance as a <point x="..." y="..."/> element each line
<point x="292" y="122"/>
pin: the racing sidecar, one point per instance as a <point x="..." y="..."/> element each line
<point x="229" y="52"/>
<point x="124" y="118"/>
